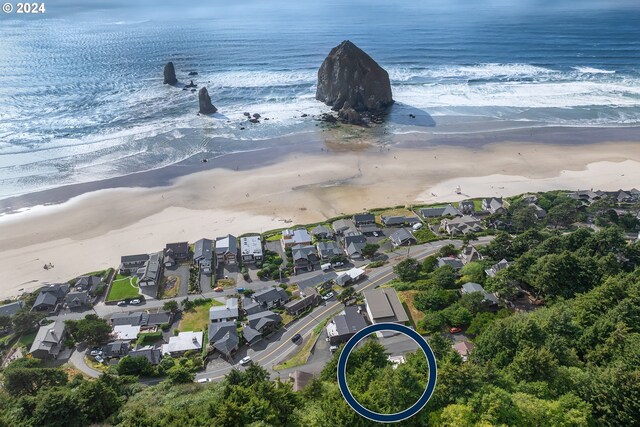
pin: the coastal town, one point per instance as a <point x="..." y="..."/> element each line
<point x="287" y="299"/>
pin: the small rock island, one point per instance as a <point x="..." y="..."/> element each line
<point x="170" y="74"/>
<point x="206" y="107"/>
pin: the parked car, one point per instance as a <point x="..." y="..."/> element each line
<point x="417" y="226"/>
<point x="122" y="303"/>
<point x="99" y="359"/>
<point x="337" y="264"/>
<point x="219" y="289"/>
<point x="296" y="338"/>
<point x="328" y="296"/>
<point x="376" y="234"/>
<point x="245" y="360"/>
<point x="135" y="302"/>
<point x="96" y="351"/>
<point x="240" y="290"/>
<point x="326" y="267"/>
<point x="204" y="380"/>
<point x="455" y="330"/>
<point x="333" y="348"/>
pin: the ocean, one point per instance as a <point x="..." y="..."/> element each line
<point x="82" y="99"/>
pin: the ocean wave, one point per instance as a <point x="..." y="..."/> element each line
<point x="592" y="70"/>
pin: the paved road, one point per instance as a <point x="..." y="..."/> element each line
<point x="281" y="346"/>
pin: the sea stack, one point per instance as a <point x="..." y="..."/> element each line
<point x="350" y="76"/>
<point x="170" y="74"/>
<point x="206" y="107"/>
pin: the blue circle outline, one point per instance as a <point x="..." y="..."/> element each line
<point x="398" y="416"/>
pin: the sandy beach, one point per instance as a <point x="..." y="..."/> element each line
<point x="90" y="232"/>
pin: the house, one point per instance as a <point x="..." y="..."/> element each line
<point x="174" y="253"/>
<point x="203" y="255"/>
<point x="249" y="306"/>
<point x="291" y="238"/>
<point x="345" y="325"/>
<point x="402" y="237"/>
<point x="539" y="212"/>
<point x="585" y="196"/>
<point x="467" y="207"/>
<point x="304" y="257"/>
<point x="117" y="349"/>
<point x="623" y="197"/>
<point x="183" y="342"/>
<point x="251" y="249"/>
<point x="493" y="270"/>
<point x="461" y="226"/>
<point x="342" y="225"/>
<point x="264" y="322"/>
<point x="88" y="283"/>
<point x="471" y="288"/>
<point x="463" y="348"/>
<point x="439" y="211"/>
<point x="223" y="336"/>
<point x="322" y="232"/>
<point x="11" y="309"/>
<point x="224" y="313"/>
<point x="452" y="262"/>
<point x="349" y="277"/>
<point x="144" y="320"/>
<point x="470" y="254"/>
<point x="371" y="230"/>
<point x="354" y="242"/>
<point x="226" y="250"/>
<point x="126" y="332"/>
<point x="271" y="297"/>
<point x="354" y="250"/>
<point x="397" y="221"/>
<point x="300" y="379"/>
<point x="364" y="219"/>
<point x="328" y="250"/>
<point x="77" y="299"/>
<point x="494" y="205"/>
<point x="322" y="280"/>
<point x="308" y="298"/>
<point x="49" y="341"/>
<point x="149" y="275"/>
<point x="149" y="352"/>
<point x="260" y="324"/>
<point x="130" y="264"/>
<point x="383" y="305"/>
<point x="49" y="297"/>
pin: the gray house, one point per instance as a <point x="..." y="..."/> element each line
<point x="149" y="352"/>
<point x="452" y="262"/>
<point x="117" y="349"/>
<point x="364" y="219"/>
<point x="345" y="325"/>
<point x="342" y="225"/>
<point x="493" y="270"/>
<point x="322" y="232"/>
<point x="271" y="297"/>
<point x="260" y="324"/>
<point x="467" y="207"/>
<point x="130" y="264"/>
<point x="249" y="306"/>
<point x="402" y="237"/>
<point x="310" y="298"/>
<point x="11" y="309"/>
<point x="175" y="253"/>
<point x="203" y="255"/>
<point x="223" y="336"/>
<point x="226" y="250"/>
<point x="225" y="313"/>
<point x="88" y="283"/>
<point x="149" y="274"/>
<point x="77" y="299"/>
<point x="397" y="221"/>
<point x="49" y="341"/>
<point x="49" y="297"/>
<point x="304" y="257"/>
<point x="328" y="250"/>
<point x="494" y="205"/>
<point x="447" y="210"/>
<point x="471" y="288"/>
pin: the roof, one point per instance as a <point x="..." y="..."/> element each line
<point x="399" y="220"/>
<point x="250" y="306"/>
<point x="329" y="248"/>
<point x="370" y="228"/>
<point x="312" y="297"/>
<point x="258" y="321"/>
<point x="355" y="248"/>
<point x="48" y="338"/>
<point x="203" y="249"/>
<point x="139" y="258"/>
<point x="45" y="298"/>
<point x="117" y="348"/>
<point x="314" y="281"/>
<point x="270" y="294"/>
<point x="346" y="276"/>
<point x="226" y="244"/>
<point x="251" y="245"/>
<point x="440" y="211"/>
<point x="401" y="236"/>
<point x="463" y="348"/>
<point x="251" y="335"/>
<point x="303" y="252"/>
<point x="224" y="337"/>
<point x="450" y="261"/>
<point x="227" y="311"/>
<point x="177" y="248"/>
<point x="354" y="236"/>
<point x="297" y="236"/>
<point x="184" y="341"/>
<point x="321" y="229"/>
<point x="471" y="287"/>
<point x="11" y="308"/>
<point x="364" y="217"/>
<point x="152" y="267"/>
<point x="141" y="319"/>
<point x="493" y="270"/>
<point x="88" y="281"/>
<point x="77" y="298"/>
<point x="343" y="224"/>
<point x="126" y="332"/>
<point x="384" y="305"/>
<point x="152" y="354"/>
<point x="347" y="322"/>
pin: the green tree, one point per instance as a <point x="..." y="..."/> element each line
<point x="408" y="270"/>
<point x="434" y="299"/>
<point x="91" y="329"/>
<point x="473" y="272"/>
<point x="138" y="366"/>
<point x="563" y="214"/>
<point x="524" y="218"/>
<point x="26" y="322"/>
<point x="57" y="407"/>
<point x="370" y="250"/>
<point x="180" y="375"/>
<point x="27" y="376"/>
<point x="444" y="277"/>
<point x="171" y="306"/>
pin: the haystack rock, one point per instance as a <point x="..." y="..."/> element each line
<point x="206" y="107"/>
<point x="349" y="75"/>
<point x="170" y="74"/>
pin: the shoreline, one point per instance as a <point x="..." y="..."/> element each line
<point x="322" y="179"/>
<point x="269" y="152"/>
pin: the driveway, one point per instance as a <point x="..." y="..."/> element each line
<point x="77" y="360"/>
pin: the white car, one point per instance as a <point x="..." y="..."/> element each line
<point x="245" y="360"/>
<point x="134" y="302"/>
<point x="328" y="296"/>
<point x="99" y="359"/>
<point x="204" y="380"/>
<point x="375" y="234"/>
<point x="333" y="348"/>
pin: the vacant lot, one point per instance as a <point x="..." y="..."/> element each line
<point x="407" y="299"/>
<point x="197" y="318"/>
<point x="124" y="288"/>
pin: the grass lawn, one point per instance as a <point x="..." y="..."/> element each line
<point x="226" y="283"/>
<point x="123" y="288"/>
<point x="424" y="235"/>
<point x="26" y="340"/>
<point x="274" y="238"/>
<point x="196" y="319"/>
<point x="301" y="356"/>
<point x="287" y="318"/>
